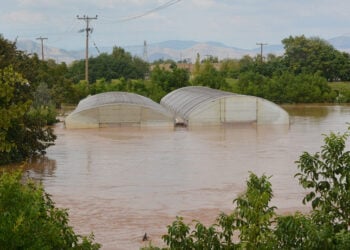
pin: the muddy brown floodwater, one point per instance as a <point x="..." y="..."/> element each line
<point x="123" y="182"/>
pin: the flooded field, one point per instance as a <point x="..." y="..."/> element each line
<point x="123" y="182"/>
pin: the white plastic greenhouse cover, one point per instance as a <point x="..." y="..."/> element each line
<point x="114" y="97"/>
<point x="184" y="100"/>
<point x="205" y="106"/>
<point x="119" y="108"/>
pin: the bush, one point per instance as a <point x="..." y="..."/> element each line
<point x="23" y="133"/>
<point x="30" y="220"/>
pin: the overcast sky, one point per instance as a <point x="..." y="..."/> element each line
<point x="236" y="23"/>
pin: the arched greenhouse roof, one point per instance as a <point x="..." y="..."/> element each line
<point x="112" y="98"/>
<point x="184" y="100"/>
<point x="198" y="105"/>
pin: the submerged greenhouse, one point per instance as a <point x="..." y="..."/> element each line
<point x="205" y="106"/>
<point x="118" y="109"/>
<point x="190" y="106"/>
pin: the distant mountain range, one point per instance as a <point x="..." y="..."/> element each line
<point x="174" y="49"/>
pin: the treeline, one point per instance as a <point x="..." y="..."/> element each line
<point x="304" y="73"/>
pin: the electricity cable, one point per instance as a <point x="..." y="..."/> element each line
<point x="129" y="18"/>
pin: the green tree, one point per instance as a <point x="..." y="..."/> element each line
<point x="30" y="220"/>
<point x="37" y="72"/>
<point x="209" y="76"/>
<point x="7" y="52"/>
<point x="81" y="90"/>
<point x="210" y="58"/>
<point x="27" y="65"/>
<point x="312" y="55"/>
<point x="63" y="92"/>
<point x="178" y="236"/>
<point x="273" y="65"/>
<point x="197" y="65"/>
<point x="327" y="175"/>
<point x="251" y="219"/>
<point x="286" y="87"/>
<point x="230" y="68"/>
<point x="254" y="214"/>
<point x="247" y="63"/>
<point x="252" y="83"/>
<point x="170" y="80"/>
<point x="110" y="66"/>
<point x="42" y="103"/>
<point x="55" y="77"/>
<point x="22" y="133"/>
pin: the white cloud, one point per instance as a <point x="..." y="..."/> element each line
<point x="39" y="3"/>
<point x="204" y="3"/>
<point x="24" y="17"/>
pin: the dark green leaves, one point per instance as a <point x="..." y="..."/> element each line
<point x="251" y="221"/>
<point x="23" y="131"/>
<point x="327" y="174"/>
<point x="30" y="220"/>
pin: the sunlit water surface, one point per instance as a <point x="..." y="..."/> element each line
<point x="123" y="182"/>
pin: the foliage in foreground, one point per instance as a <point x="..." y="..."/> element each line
<point x="253" y="223"/>
<point x="30" y="220"/>
<point x="23" y="127"/>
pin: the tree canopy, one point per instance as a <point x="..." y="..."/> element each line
<point x="312" y="55"/>
<point x="23" y="130"/>
<point x="23" y="125"/>
<point x="110" y="66"/>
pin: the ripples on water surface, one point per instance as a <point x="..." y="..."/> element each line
<point x="123" y="182"/>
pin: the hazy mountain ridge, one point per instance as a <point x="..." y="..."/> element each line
<point x="172" y="49"/>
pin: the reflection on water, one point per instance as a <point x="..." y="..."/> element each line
<point x="36" y="168"/>
<point x="123" y="182"/>
<point x="40" y="166"/>
<point x="315" y="111"/>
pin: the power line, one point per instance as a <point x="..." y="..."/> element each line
<point x="161" y="7"/>
<point x="42" y="46"/>
<point x="87" y="20"/>
<point x="98" y="51"/>
<point x="62" y="35"/>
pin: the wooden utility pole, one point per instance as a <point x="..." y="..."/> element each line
<point x="261" y="50"/>
<point x="42" y="46"/>
<point x="87" y="20"/>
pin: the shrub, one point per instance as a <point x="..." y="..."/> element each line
<point x="30" y="220"/>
